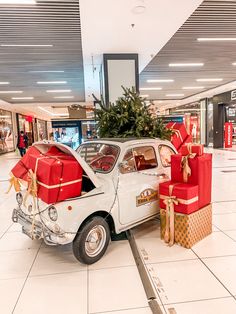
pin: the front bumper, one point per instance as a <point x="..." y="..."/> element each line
<point x="38" y="230"/>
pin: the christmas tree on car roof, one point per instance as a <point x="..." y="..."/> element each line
<point x="130" y="116"/>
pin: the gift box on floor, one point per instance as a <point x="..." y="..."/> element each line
<point x="185" y="196"/>
<point x="180" y="133"/>
<point x="201" y="174"/>
<point x="189" y="229"/>
<point x="188" y="149"/>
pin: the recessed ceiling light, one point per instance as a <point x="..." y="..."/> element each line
<point x="209" y="80"/>
<point x="11" y="92"/>
<point x="217" y="39"/>
<point x="186" y="64"/>
<point x="59" y="91"/>
<point x="150" y="88"/>
<point x="174" y="95"/>
<point x="24" y="45"/>
<point x="144" y="96"/>
<point x="4" y="83"/>
<point x="46" y="71"/>
<point x="160" y="81"/>
<point x="193" y="87"/>
<point x="17" y="2"/>
<point x="53" y="82"/>
<point x="63" y="97"/>
<point x="234" y="63"/>
<point x="22" y="98"/>
<point x="52" y="113"/>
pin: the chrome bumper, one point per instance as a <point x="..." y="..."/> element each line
<point x="38" y="230"/>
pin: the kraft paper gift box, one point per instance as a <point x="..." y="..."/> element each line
<point x="179" y="135"/>
<point x="186" y="196"/>
<point x="189" y="229"/>
<point x="199" y="173"/>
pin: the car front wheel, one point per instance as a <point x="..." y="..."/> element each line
<point x="92" y="240"/>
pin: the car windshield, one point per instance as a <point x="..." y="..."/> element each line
<point x="99" y="156"/>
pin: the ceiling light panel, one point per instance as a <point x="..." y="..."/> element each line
<point x="18" y="2"/>
<point x="59" y="91"/>
<point x="150" y="88"/>
<point x="217" y="39"/>
<point x="186" y="64"/>
<point x="22" y="98"/>
<point x="174" y="95"/>
<point x="63" y="97"/>
<point x="4" y="83"/>
<point x="25" y="45"/>
<point x="160" y="81"/>
<point x="52" y="82"/>
<point x="11" y="92"/>
<point x="46" y="71"/>
<point x="193" y="87"/>
<point x="209" y="80"/>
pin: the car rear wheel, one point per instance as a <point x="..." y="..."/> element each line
<point x="91" y="242"/>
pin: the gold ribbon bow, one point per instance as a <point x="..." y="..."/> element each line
<point x="32" y="187"/>
<point x="170" y="201"/>
<point x="185" y="166"/>
<point x="14" y="182"/>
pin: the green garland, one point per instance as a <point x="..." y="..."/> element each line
<point x="129" y="117"/>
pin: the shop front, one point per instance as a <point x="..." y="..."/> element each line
<point x="224" y="120"/>
<point x="73" y="132"/>
<point x="26" y="124"/>
<point x="42" y="133"/>
<point x="6" y="132"/>
<point x="194" y="117"/>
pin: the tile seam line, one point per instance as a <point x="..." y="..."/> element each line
<point x="150" y="291"/>
<point x="126" y="309"/>
<point x="200" y="259"/>
<point x="23" y="286"/>
<point x="5" y="231"/>
<point x="199" y="300"/>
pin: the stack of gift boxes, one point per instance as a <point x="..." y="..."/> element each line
<point x="58" y="175"/>
<point x="185" y="201"/>
<point x="180" y="137"/>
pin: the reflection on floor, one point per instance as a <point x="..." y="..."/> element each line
<point x="35" y="278"/>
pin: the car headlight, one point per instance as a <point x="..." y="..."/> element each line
<point x="19" y="198"/>
<point x="52" y="213"/>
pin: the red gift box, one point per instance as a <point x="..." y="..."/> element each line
<point x="201" y="175"/>
<point x="58" y="178"/>
<point x="186" y="196"/>
<point x="180" y="133"/>
<point x="188" y="149"/>
<point x="20" y="171"/>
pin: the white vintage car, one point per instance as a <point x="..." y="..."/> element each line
<point x="119" y="191"/>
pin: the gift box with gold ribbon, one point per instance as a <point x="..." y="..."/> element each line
<point x="185" y="196"/>
<point x="179" y="133"/>
<point x="186" y="230"/>
<point x="196" y="170"/>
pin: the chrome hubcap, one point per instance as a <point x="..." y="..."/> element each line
<point x="95" y="241"/>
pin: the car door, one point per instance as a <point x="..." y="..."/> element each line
<point x="138" y="184"/>
<point x="165" y="152"/>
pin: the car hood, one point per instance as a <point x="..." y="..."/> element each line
<point x="44" y="146"/>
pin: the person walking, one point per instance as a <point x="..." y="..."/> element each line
<point x="22" y="143"/>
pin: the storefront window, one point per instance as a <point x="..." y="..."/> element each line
<point x="25" y="124"/>
<point x="88" y="130"/>
<point x="68" y="136"/>
<point x="42" y="129"/>
<point x="6" y="132"/>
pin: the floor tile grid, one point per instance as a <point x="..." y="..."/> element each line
<point x="26" y="278"/>
<point x="208" y="268"/>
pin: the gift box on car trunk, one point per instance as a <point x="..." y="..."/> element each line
<point x="59" y="176"/>
<point x="189" y="229"/>
<point x="179" y="135"/>
<point x="186" y="196"/>
<point x="189" y="148"/>
<point x="201" y="175"/>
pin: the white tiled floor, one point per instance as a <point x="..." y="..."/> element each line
<point x="35" y="278"/>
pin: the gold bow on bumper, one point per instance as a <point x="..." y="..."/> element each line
<point x="32" y="188"/>
<point x="14" y="182"/>
<point x="185" y="166"/>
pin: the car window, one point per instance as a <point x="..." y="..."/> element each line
<point x="139" y="158"/>
<point x="165" y="155"/>
<point x="100" y="157"/>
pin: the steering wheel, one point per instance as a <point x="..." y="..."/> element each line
<point x="106" y="165"/>
<point x="104" y="162"/>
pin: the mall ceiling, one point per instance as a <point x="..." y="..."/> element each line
<point x="41" y="43"/>
<point x="212" y="19"/>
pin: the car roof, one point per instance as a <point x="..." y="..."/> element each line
<point x="121" y="139"/>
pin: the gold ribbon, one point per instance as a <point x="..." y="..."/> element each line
<point x="32" y="187"/>
<point x="170" y="201"/>
<point x="185" y="166"/>
<point x="14" y="182"/>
